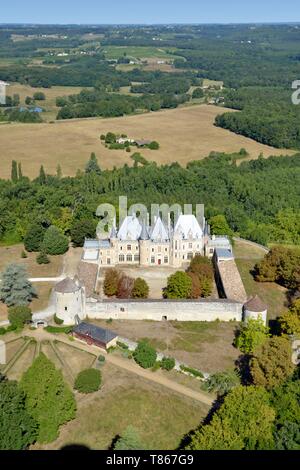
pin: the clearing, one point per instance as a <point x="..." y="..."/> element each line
<point x="184" y="134"/>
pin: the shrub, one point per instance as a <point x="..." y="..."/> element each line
<point x="24" y="254"/>
<point x="57" y="320"/>
<point x="101" y="359"/>
<point x="179" y="286"/>
<point x="102" y="137"/>
<point x="111" y="282"/>
<point x="167" y="363"/>
<point x="122" y="345"/>
<point x="153" y="145"/>
<point x="190" y="370"/>
<point x="59" y="329"/>
<point x="42" y="258"/>
<point x="128" y="149"/>
<point x="19" y="315"/>
<point x="140" y="289"/>
<point x="2" y="331"/>
<point x="156" y="366"/>
<point x="88" y="381"/>
<point x="145" y="355"/>
<point x="222" y="382"/>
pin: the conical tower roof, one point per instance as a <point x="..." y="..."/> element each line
<point x="255" y="304"/>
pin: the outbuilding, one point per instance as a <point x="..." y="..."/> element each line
<point x="93" y="334"/>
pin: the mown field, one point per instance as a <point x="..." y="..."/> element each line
<point x="139" y="52"/>
<point x="184" y="134"/>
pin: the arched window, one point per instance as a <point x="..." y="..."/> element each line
<point x="129" y="258"/>
<point x="121" y="258"/>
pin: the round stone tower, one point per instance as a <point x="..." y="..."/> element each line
<point x="255" y="308"/>
<point x="69" y="300"/>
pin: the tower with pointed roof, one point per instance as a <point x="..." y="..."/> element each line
<point x="144" y="243"/>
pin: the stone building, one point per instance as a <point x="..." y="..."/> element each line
<point x="70" y="300"/>
<point x="137" y="243"/>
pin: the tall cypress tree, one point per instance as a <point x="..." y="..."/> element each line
<point x="42" y="176"/>
<point x="14" y="171"/>
<point x="20" y="173"/>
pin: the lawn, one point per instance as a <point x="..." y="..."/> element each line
<point x="184" y="134"/>
<point x="161" y="417"/>
<point x="275" y="296"/>
<point x="204" y="345"/>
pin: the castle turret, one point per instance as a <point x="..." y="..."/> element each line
<point x="255" y="308"/>
<point x="144" y="242"/>
<point x="69" y="300"/>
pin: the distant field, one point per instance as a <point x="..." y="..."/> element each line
<point x="184" y="134"/>
<point x="51" y="94"/>
<point x="138" y="52"/>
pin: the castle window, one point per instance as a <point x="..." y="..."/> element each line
<point x="190" y="245"/>
<point x="166" y="249"/>
<point x="136" y="258"/>
<point x="129" y="247"/>
<point x="166" y="260"/>
<point x="152" y="259"/>
<point x="183" y="247"/>
<point x="211" y="250"/>
<point x="152" y="250"/>
<point x="190" y="256"/>
<point x="176" y="245"/>
<point x="66" y="308"/>
<point x="108" y="260"/>
<point x="159" y="249"/>
<point x="129" y="258"/>
<point x="136" y="248"/>
<point x="121" y="258"/>
<point x="121" y="248"/>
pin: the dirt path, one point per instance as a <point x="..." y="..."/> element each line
<point x="155" y="377"/>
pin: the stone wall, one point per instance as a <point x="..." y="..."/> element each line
<point x="158" y="310"/>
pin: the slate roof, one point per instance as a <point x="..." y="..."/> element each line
<point x="95" y="332"/>
<point x="67" y="286"/>
<point x="130" y="229"/>
<point x="255" y="304"/>
<point x="187" y="226"/>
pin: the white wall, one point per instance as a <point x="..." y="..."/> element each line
<point x="202" y="310"/>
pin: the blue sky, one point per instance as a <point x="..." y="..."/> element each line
<point x="149" y="11"/>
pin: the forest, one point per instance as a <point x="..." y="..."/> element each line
<point x="252" y="196"/>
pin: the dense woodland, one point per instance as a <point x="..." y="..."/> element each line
<point x="252" y="196"/>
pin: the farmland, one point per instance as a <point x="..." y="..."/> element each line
<point x="184" y="134"/>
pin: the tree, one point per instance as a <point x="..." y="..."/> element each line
<point x="92" y="165"/>
<point x="201" y="272"/>
<point x="272" y="362"/>
<point x="290" y="320"/>
<point x="55" y="242"/>
<point x="145" y="355"/>
<point x="20" y="173"/>
<point x="48" y="399"/>
<point x="82" y="229"/>
<point x="42" y="176"/>
<point x="153" y="145"/>
<point x="34" y="237"/>
<point x="111" y="282"/>
<point x="219" y="225"/>
<point x="244" y="421"/>
<point x="28" y="100"/>
<point x="14" y="171"/>
<point x="42" y="258"/>
<point x="88" y="381"/>
<point x="15" y="288"/>
<point x="39" y="96"/>
<point x="252" y="335"/>
<point x="222" y="382"/>
<point x="198" y="93"/>
<point x="129" y="440"/>
<point x="140" y="289"/>
<point x="285" y="399"/>
<point x="58" y="171"/>
<point x="18" y="429"/>
<point x="110" y="138"/>
<point x="167" y="363"/>
<point x="288" y="437"/>
<point x="196" y="287"/>
<point x="18" y="315"/>
<point x="125" y="287"/>
<point x="179" y="286"/>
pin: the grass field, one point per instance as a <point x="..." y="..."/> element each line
<point x="51" y="94"/>
<point x="139" y="52"/>
<point x="271" y="293"/>
<point x="204" y="345"/>
<point x="184" y="134"/>
<point x="161" y="417"/>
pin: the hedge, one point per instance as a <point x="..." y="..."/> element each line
<point x="190" y="370"/>
<point x="88" y="381"/>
